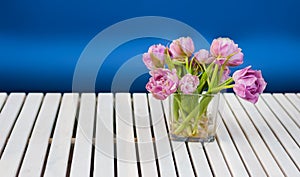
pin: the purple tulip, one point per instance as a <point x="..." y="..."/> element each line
<point x="188" y="83"/>
<point x="162" y="83"/>
<point x="182" y="47"/>
<point x="248" y="84"/>
<point x="157" y="59"/>
<point x="203" y="56"/>
<point x="223" y="49"/>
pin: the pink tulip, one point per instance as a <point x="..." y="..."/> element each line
<point x="182" y="47"/>
<point x="188" y="83"/>
<point x="156" y="51"/>
<point x="248" y="84"/>
<point x="225" y="49"/>
<point x="203" y="56"/>
<point x="162" y="83"/>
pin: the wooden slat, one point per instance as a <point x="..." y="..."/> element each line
<point x="162" y="142"/>
<point x="81" y="161"/>
<point x="289" y="108"/>
<point x="248" y="156"/>
<point x="216" y="159"/>
<point x="180" y="150"/>
<point x="8" y="116"/>
<point x="283" y="117"/>
<point x="199" y="159"/>
<point x="182" y="159"/>
<point x="3" y="97"/>
<point x="144" y="139"/>
<point x="104" y="144"/>
<point x="252" y="140"/>
<point x="294" y="99"/>
<point x="126" y="152"/>
<point x="253" y="137"/>
<point x="37" y="147"/>
<point x="285" y="139"/>
<point x="230" y="153"/>
<point x="15" y="147"/>
<point x="279" y="153"/>
<point x="60" y="148"/>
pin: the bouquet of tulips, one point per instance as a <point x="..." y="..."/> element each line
<point x="176" y="69"/>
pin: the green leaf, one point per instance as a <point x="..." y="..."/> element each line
<point x="203" y="82"/>
<point x="214" y="79"/>
<point x="177" y="62"/>
<point x="189" y="102"/>
<point x="198" y="110"/>
<point x="168" y="60"/>
<point x="156" y="62"/>
<point x="176" y="107"/>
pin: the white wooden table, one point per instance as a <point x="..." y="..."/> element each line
<point x="56" y="135"/>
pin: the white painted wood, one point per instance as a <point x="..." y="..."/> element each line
<point x="293" y="113"/>
<point x="36" y="151"/>
<point x="248" y="156"/>
<point x="294" y="99"/>
<point x="162" y="142"/>
<point x="182" y="159"/>
<point x="3" y="97"/>
<point x="199" y="159"/>
<point x="144" y="138"/>
<point x="285" y="139"/>
<point x="261" y="136"/>
<point x="81" y="161"/>
<point x="278" y="152"/>
<point x="104" y="144"/>
<point x="126" y="152"/>
<point x="8" y="116"/>
<point x="60" y="148"/>
<point x="18" y="139"/>
<point x="253" y="137"/>
<point x="216" y="159"/>
<point x="166" y="108"/>
<point x="230" y="153"/>
<point x="283" y="117"/>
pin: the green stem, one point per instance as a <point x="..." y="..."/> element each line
<point x="218" y="89"/>
<point x="175" y="110"/>
<point x="202" y="106"/>
<point x="187" y="64"/>
<point x="214" y="79"/>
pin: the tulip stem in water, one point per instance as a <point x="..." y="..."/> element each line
<point x="200" y="108"/>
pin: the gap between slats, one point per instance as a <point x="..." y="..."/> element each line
<point x="153" y="136"/>
<point x="3" y="99"/>
<point x="254" y="137"/>
<point x="114" y="130"/>
<point x="51" y="137"/>
<point x="14" y="117"/>
<point x="294" y="100"/>
<point x="288" y="107"/>
<point x="248" y="156"/>
<point x="235" y="159"/>
<point x="271" y="140"/>
<point x="39" y="109"/>
<point x="13" y="151"/>
<point x="176" y="146"/>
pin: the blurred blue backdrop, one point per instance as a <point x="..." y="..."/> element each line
<point x="41" y="41"/>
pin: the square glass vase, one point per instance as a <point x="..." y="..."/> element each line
<point x="193" y="117"/>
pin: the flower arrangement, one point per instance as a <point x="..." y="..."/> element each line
<point x="177" y="70"/>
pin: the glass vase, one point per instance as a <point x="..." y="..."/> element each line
<point x="193" y="117"/>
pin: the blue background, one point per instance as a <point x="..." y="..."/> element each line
<point x="41" y="41"/>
